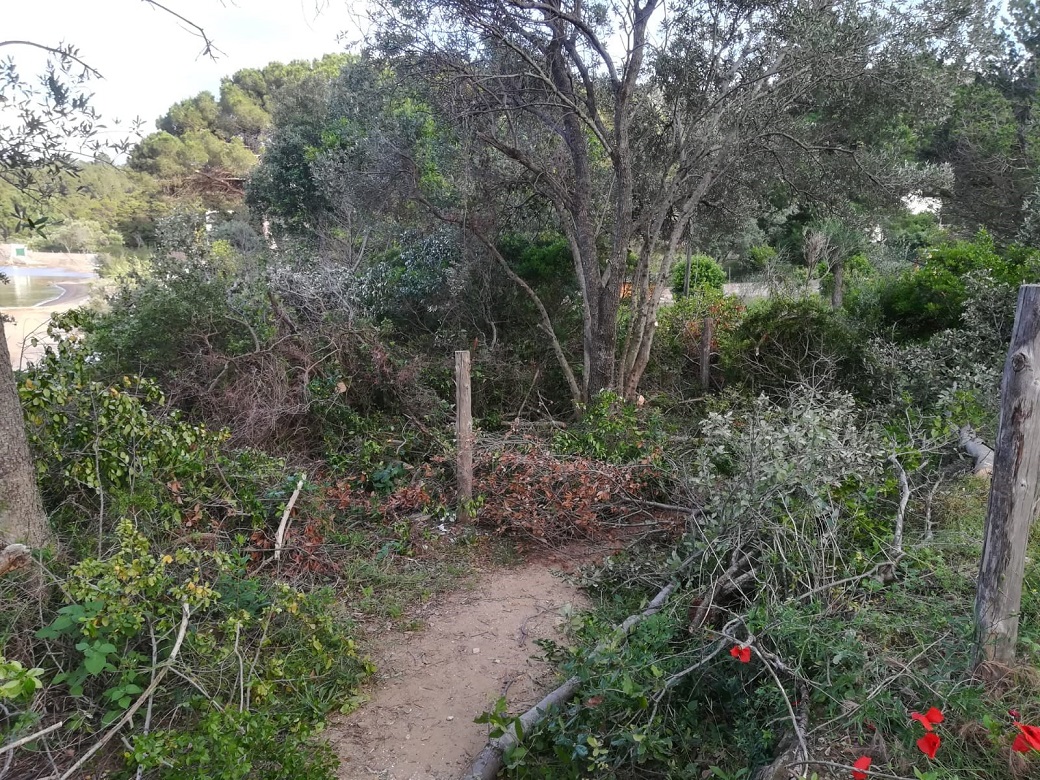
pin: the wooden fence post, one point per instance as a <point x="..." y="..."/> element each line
<point x="1015" y="488"/>
<point x="463" y="435"/>
<point x="707" y="333"/>
<point x="689" y="263"/>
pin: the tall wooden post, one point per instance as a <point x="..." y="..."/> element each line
<point x="707" y="333"/>
<point x="463" y="435"/>
<point x="689" y="264"/>
<point x="1015" y="488"/>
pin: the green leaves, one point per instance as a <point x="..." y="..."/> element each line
<point x="95" y="656"/>
<point x="18" y="682"/>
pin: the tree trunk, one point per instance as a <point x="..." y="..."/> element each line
<point x="979" y="451"/>
<point x="1015" y="488"/>
<point x="21" y="511"/>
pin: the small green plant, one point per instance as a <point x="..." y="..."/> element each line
<point x="18" y="683"/>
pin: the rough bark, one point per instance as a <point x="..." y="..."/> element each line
<point x="22" y="518"/>
<point x="1015" y="489"/>
<point x="14" y="556"/>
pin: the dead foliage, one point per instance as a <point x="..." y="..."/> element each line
<point x="530" y="491"/>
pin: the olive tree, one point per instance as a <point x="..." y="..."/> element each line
<point x="635" y="120"/>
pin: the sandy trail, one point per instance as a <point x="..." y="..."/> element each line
<point x="477" y="646"/>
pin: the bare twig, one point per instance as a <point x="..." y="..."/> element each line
<point x="64" y="53"/>
<point x="904" y="499"/>
<point x="929" y="501"/>
<point x="208" y="48"/>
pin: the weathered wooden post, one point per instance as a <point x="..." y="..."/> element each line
<point x="1015" y="488"/>
<point x="707" y="333"/>
<point x="463" y="435"/>
<point x="689" y="263"/>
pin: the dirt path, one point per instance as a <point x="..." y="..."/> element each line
<point x="476" y="646"/>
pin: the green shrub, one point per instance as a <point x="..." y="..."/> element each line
<point x="543" y="260"/>
<point x="705" y="272"/>
<point x="256" y="719"/>
<point x="760" y="257"/>
<point x="104" y="449"/>
<point x="782" y="342"/>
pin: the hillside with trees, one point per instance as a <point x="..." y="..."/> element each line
<point x="727" y="309"/>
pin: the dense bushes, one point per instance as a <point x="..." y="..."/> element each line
<point x="930" y="297"/>
<point x="676" y="353"/>
<point x="155" y="514"/>
<point x="784" y="615"/>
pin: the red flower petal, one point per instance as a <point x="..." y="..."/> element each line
<point x="862" y="763"/>
<point x="923" y="719"/>
<point x="735" y="651"/>
<point x="1021" y="744"/>
<point x="1031" y="734"/>
<point x="929" y="744"/>
<point x="934" y="715"/>
<point x="745" y="655"/>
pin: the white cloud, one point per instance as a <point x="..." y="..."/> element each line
<point x="150" y="60"/>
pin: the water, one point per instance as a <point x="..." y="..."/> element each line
<point x="30" y="286"/>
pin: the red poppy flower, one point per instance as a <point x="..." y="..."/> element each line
<point x="862" y="764"/>
<point x="930" y="718"/>
<point x="1028" y="740"/>
<point x="743" y="652"/>
<point x="929" y="744"/>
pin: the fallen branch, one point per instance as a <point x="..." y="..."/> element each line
<point x="979" y="450"/>
<point x="279" y="537"/>
<point x="12" y="557"/>
<point x="488" y="762"/>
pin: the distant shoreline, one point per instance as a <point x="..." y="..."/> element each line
<point x="69" y="292"/>
<point x="31" y="321"/>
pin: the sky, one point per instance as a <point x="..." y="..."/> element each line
<point x="150" y="60"/>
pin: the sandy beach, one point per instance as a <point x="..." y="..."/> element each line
<point x="31" y="321"/>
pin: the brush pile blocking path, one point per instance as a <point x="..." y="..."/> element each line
<point x="477" y="646"/>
